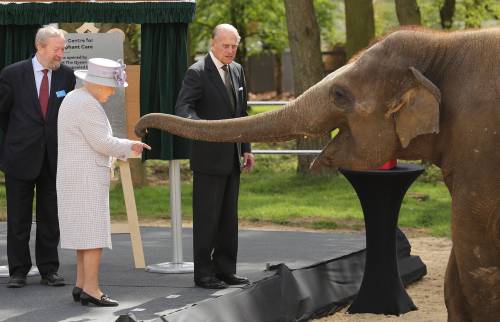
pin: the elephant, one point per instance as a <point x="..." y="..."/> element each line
<point x="416" y="94"/>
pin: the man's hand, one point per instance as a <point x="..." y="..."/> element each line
<point x="248" y="161"/>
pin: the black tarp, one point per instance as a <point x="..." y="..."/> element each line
<point x="299" y="294"/>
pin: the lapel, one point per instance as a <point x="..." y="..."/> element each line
<point x="217" y="80"/>
<point x="232" y="74"/>
<point x="31" y="87"/>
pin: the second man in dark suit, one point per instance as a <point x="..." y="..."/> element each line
<point x="214" y="88"/>
<point x="30" y="94"/>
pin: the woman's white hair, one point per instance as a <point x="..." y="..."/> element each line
<point x="43" y="34"/>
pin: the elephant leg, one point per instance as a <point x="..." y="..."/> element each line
<point x="453" y="294"/>
<point x="472" y="284"/>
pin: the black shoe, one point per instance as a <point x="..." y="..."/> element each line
<point x="85" y="299"/>
<point x="209" y="282"/>
<point x="16" y="281"/>
<point x="76" y="293"/>
<point x="52" y="279"/>
<point x="232" y="279"/>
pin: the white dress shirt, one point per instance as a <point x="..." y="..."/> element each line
<point x="219" y="66"/>
<point x="38" y="71"/>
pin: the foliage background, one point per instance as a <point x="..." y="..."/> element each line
<point x="264" y="21"/>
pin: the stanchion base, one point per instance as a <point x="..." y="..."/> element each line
<point x="4" y="271"/>
<point x="171" y="268"/>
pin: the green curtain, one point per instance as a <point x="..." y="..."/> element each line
<point x="126" y="12"/>
<point x="16" y="43"/>
<point x="163" y="64"/>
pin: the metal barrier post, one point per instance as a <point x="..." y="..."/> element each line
<point x="4" y="269"/>
<point x="177" y="265"/>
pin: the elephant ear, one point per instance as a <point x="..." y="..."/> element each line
<point x="417" y="110"/>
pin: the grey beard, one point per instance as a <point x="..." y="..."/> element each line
<point x="54" y="65"/>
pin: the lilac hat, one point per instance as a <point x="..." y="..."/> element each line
<point x="105" y="72"/>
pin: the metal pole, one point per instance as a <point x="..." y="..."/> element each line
<point x="177" y="265"/>
<point x="4" y="269"/>
<point x="175" y="203"/>
<point x="293" y="152"/>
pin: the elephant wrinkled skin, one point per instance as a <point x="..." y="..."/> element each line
<point x="416" y="94"/>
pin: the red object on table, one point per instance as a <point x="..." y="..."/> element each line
<point x="389" y="165"/>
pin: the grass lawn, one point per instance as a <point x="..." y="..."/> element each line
<point x="275" y="193"/>
<point x="287" y="198"/>
<point x="256" y="109"/>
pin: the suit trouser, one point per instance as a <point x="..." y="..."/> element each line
<point x="215" y="223"/>
<point x="20" y="195"/>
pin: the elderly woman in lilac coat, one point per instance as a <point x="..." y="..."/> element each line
<point x="86" y="149"/>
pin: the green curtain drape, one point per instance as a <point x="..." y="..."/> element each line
<point x="126" y="12"/>
<point x="16" y="43"/>
<point x="163" y="64"/>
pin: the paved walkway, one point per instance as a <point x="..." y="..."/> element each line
<point x="150" y="295"/>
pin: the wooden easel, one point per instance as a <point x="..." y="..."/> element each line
<point x="132" y="103"/>
<point x="131" y="208"/>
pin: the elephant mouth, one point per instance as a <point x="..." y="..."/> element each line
<point x="328" y="158"/>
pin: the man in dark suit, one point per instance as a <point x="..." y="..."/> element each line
<point x="213" y="89"/>
<point x="30" y="94"/>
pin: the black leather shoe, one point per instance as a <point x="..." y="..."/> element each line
<point x="52" y="279"/>
<point x="210" y="283"/>
<point x="76" y="293"/>
<point x="16" y="281"/>
<point x="232" y="279"/>
<point x="85" y="299"/>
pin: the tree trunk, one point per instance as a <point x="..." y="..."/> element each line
<point x="278" y="74"/>
<point x="446" y="13"/>
<point x="360" y="25"/>
<point x="408" y="12"/>
<point x="305" y="48"/>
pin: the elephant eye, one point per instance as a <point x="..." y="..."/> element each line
<point x="341" y="97"/>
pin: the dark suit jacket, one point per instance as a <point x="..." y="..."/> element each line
<point x="27" y="134"/>
<point x="203" y="96"/>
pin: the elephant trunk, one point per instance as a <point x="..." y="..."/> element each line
<point x="293" y="121"/>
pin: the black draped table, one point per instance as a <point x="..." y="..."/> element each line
<point x="381" y="193"/>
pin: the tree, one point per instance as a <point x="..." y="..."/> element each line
<point x="330" y="17"/>
<point x="272" y="38"/>
<point x="408" y="12"/>
<point x="459" y="14"/>
<point x="360" y="24"/>
<point x="446" y="13"/>
<point x="476" y="11"/>
<point x="305" y="49"/>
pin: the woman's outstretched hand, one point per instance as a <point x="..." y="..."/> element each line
<point x="138" y="147"/>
